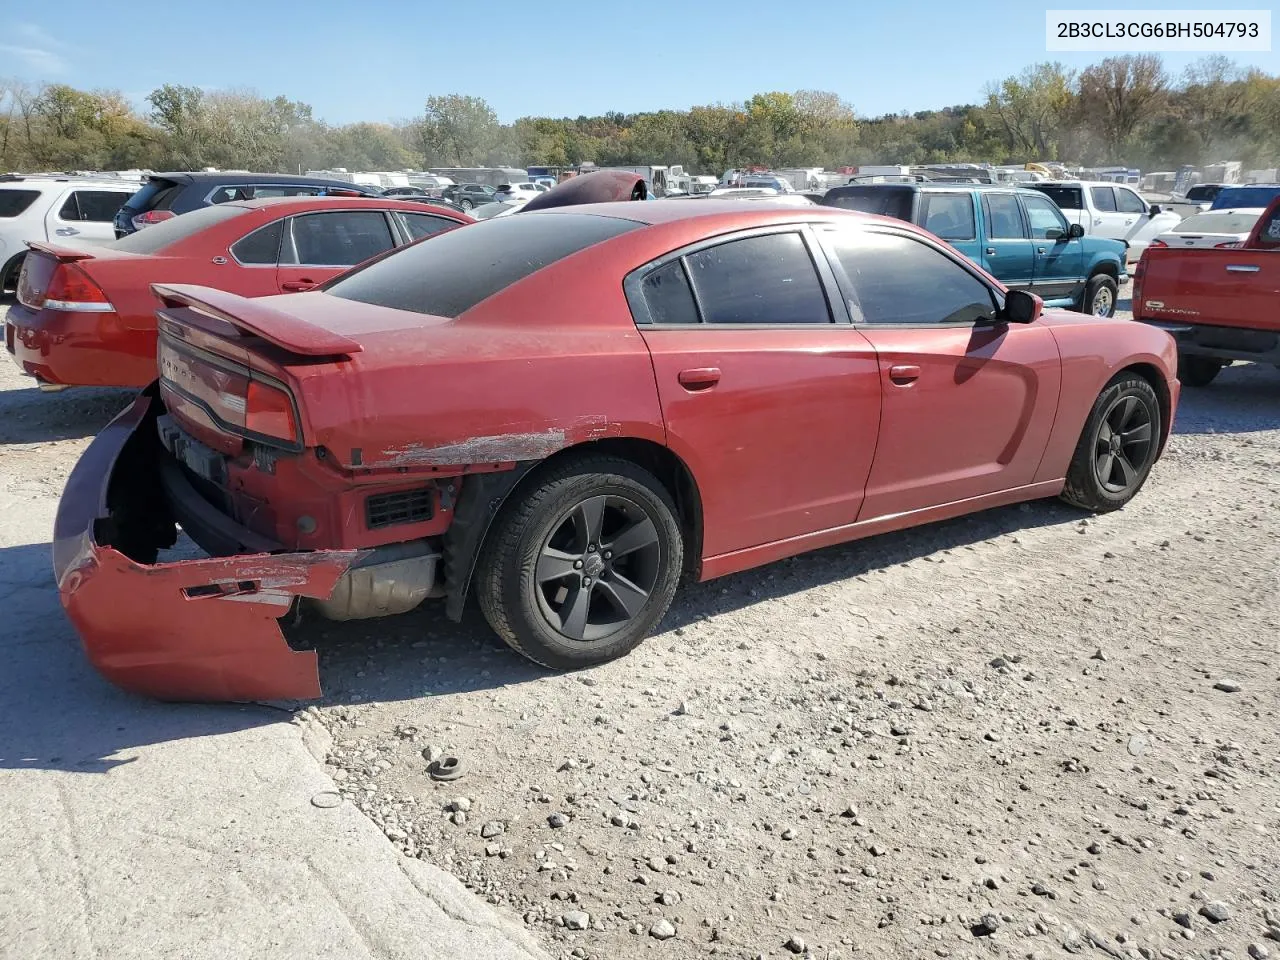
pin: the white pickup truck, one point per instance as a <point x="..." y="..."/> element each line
<point x="1110" y="210"/>
<point x="58" y="209"/>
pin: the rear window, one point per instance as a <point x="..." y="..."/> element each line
<point x="450" y="273"/>
<point x="154" y="195"/>
<point x="885" y="201"/>
<point x="1067" y="198"/>
<point x="1223" y="222"/>
<point x="1201" y="194"/>
<point x="168" y="232"/>
<point x="13" y="202"/>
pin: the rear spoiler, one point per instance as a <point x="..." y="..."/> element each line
<point x="64" y="254"/>
<point x="271" y="324"/>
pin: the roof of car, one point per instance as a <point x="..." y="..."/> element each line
<point x="1018" y="187"/>
<point x="20" y="181"/>
<point x="230" y="176"/>
<point x="385" y="203"/>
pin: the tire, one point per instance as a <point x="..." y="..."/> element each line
<point x="1100" y="295"/>
<point x="540" y="532"/>
<point x="1198" y="371"/>
<point x="466" y="205"/>
<point x="1093" y="483"/>
<point x="9" y="273"/>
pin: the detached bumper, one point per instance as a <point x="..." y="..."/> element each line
<point x="203" y="629"/>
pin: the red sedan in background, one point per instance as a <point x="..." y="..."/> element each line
<point x="85" y="316"/>
<point x="578" y="406"/>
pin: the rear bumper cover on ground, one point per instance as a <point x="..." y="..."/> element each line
<point x="204" y="629"/>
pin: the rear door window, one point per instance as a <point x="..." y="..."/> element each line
<point x="341" y="238"/>
<point x="14" y="202"/>
<point x="1004" y="218"/>
<point x="154" y="195"/>
<point x="1104" y="199"/>
<point x="668" y="296"/>
<point x="260" y="248"/>
<point x="758" y="280"/>
<point x="948" y="215"/>
<point x="94" y="206"/>
<point x="885" y="201"/>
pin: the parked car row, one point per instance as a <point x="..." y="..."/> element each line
<point x="566" y="481"/>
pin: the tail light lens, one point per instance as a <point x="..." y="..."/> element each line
<point x="151" y="217"/>
<point x="1139" y="269"/>
<point x="71" y="289"/>
<point x="1158" y="243"/>
<point x="268" y="411"/>
<point x="1229" y="245"/>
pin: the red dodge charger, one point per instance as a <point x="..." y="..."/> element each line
<point x="563" y="411"/>
<point x="86" y="314"/>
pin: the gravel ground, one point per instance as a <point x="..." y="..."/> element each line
<point x="1028" y="733"/>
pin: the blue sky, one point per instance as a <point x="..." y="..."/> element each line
<point x="380" y="59"/>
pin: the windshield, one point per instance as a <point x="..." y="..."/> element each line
<point x="449" y="273"/>
<point x="155" y="238"/>
<point x="1233" y="197"/>
<point x="1067" y="198"/>
<point x="1224" y="222"/>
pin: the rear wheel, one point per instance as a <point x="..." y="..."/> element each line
<point x="1099" y="296"/>
<point x="9" y="274"/>
<point x="582" y="565"/>
<point x="465" y="204"/>
<point x="1117" y="447"/>
<point x="1198" y="371"/>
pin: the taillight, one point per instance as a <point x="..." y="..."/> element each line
<point x="1139" y="269"/>
<point x="268" y="411"/>
<point x="71" y="289"/>
<point x="1229" y="245"/>
<point x="152" y="217"/>
<point x="1158" y="243"/>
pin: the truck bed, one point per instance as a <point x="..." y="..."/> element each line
<point x="1238" y="288"/>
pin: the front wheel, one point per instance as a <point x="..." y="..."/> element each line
<point x="466" y="205"/>
<point x="581" y="566"/>
<point x="1198" y="371"/>
<point x="1099" y="298"/>
<point x="1117" y="448"/>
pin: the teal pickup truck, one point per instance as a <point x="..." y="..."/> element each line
<point x="1019" y="236"/>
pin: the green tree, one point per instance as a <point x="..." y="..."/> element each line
<point x="1032" y="108"/>
<point x="457" y="130"/>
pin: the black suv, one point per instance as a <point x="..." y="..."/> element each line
<point x="166" y="195"/>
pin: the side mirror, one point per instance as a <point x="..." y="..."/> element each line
<point x="1076" y="231"/>
<point x="1054" y="234"/>
<point x="1021" y="307"/>
<point x="1154" y="210"/>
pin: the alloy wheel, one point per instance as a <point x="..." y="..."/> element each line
<point x="1124" y="444"/>
<point x="598" y="567"/>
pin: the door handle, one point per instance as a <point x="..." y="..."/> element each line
<point x="1039" y="249"/>
<point x="1129" y="221"/>
<point x="904" y="374"/>
<point x="297" y="286"/>
<point x="1242" y="268"/>
<point x="66" y="231"/>
<point x="699" y="378"/>
<point x="991" y="251"/>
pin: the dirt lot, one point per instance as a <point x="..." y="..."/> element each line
<point x="1023" y="734"/>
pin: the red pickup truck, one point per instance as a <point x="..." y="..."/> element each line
<point x="1219" y="304"/>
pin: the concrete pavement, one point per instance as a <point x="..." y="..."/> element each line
<point x="133" y="829"/>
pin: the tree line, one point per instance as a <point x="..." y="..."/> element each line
<point x="1122" y="110"/>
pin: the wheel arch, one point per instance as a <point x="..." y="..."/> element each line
<point x="9" y="267"/>
<point x="1150" y="373"/>
<point x="484" y="495"/>
<point x="1106" y="267"/>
